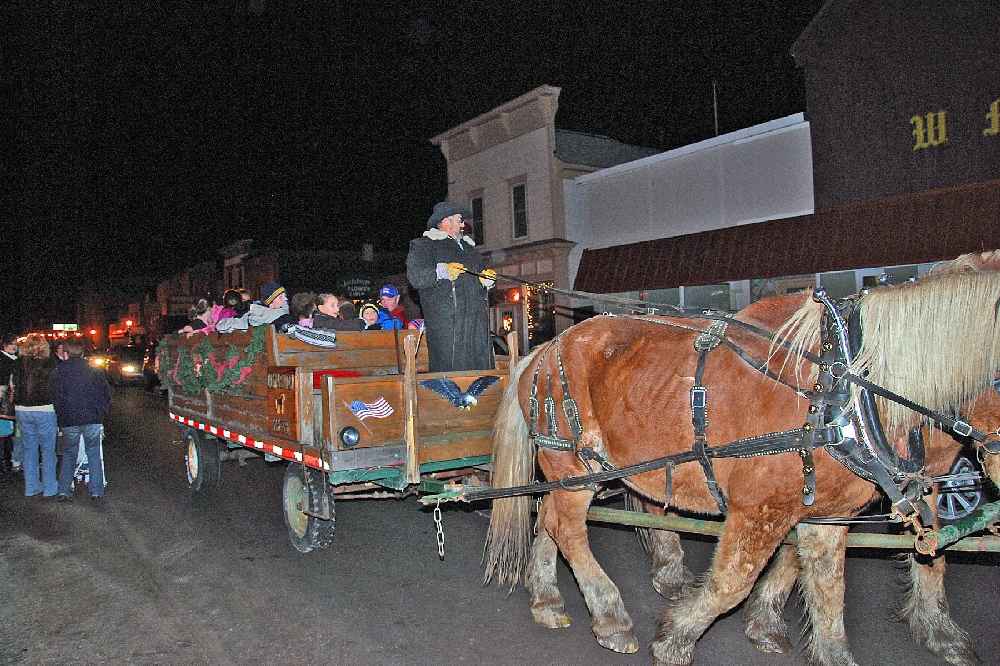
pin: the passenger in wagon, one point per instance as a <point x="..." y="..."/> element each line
<point x="388" y="298"/>
<point x="373" y="316"/>
<point x="273" y="305"/>
<point x="328" y="315"/>
<point x="201" y="316"/>
<point x="348" y="310"/>
<point x="453" y="280"/>
<point x="232" y="306"/>
<point x="303" y="307"/>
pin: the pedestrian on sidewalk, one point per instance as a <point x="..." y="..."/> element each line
<point x="81" y="397"/>
<point x="8" y="368"/>
<point x="36" y="417"/>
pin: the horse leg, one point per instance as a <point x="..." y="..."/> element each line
<point x="670" y="576"/>
<point x="925" y="609"/>
<point x="547" y="605"/>
<point x="565" y="521"/>
<point x="822" y="551"/>
<point x="763" y="612"/>
<point x="744" y="548"/>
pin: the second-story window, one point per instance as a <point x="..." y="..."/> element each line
<point x="519" y="209"/>
<point x="477" y="221"/>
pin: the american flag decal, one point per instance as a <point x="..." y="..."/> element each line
<point x="379" y="409"/>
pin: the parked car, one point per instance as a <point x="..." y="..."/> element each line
<point x="125" y="365"/>
<point x="150" y="365"/>
<point x="98" y="358"/>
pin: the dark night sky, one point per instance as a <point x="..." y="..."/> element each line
<point x="143" y="140"/>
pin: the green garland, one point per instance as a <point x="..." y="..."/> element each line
<point x="196" y="370"/>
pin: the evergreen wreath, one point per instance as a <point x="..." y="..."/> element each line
<point x="196" y="370"/>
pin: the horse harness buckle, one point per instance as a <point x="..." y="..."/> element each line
<point x="708" y="340"/>
<point x="552" y="441"/>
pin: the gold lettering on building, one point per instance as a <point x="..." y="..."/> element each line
<point x="929" y="130"/>
<point x="993" y="118"/>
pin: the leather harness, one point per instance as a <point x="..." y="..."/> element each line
<point x="853" y="436"/>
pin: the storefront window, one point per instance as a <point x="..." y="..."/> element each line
<point x="707" y="296"/>
<point x="541" y="315"/>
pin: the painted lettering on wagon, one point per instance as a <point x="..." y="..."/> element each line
<point x="281" y="427"/>
<point x="282" y="407"/>
<point x="281" y="381"/>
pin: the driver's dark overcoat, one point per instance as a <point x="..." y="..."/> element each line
<point x="456" y="314"/>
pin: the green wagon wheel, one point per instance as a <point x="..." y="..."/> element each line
<point x="302" y="498"/>
<point x="201" y="458"/>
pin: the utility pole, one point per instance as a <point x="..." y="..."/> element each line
<point x="715" y="105"/>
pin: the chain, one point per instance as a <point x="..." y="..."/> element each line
<point x="440" y="529"/>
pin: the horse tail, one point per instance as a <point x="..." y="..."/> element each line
<point x="508" y="541"/>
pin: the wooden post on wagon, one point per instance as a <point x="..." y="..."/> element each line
<point x="409" y="406"/>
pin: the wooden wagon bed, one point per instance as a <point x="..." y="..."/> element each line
<point x="274" y="394"/>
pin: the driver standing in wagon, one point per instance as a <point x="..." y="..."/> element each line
<point x="454" y="302"/>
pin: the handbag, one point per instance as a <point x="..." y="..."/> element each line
<point x="7" y="401"/>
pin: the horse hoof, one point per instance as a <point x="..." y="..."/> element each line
<point x="670" y="592"/>
<point x="959" y="657"/>
<point x="775" y="643"/>
<point x="551" y="618"/>
<point x="623" y="641"/>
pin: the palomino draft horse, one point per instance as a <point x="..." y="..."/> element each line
<point x="924" y="606"/>
<point x="630" y="381"/>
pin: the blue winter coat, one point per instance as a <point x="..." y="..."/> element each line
<point x="79" y="393"/>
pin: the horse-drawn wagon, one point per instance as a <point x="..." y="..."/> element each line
<point x="626" y="398"/>
<point x="360" y="417"/>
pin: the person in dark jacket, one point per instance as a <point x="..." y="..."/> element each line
<point x="8" y="368"/>
<point x="81" y="397"/>
<point x="454" y="302"/>
<point x="328" y="315"/>
<point x="35" y="416"/>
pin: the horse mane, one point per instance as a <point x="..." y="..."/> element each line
<point x="935" y="341"/>
<point x="801" y="334"/>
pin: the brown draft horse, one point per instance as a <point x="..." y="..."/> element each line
<point x="937" y="341"/>
<point x="924" y="606"/>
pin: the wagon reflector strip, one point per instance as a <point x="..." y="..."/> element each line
<point x="243" y="440"/>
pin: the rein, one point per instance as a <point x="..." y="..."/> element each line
<point x="853" y="436"/>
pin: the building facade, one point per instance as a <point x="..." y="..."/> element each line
<point x="515" y="171"/>
<point x="902" y="111"/>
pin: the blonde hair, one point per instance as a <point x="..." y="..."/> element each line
<point x="35" y="346"/>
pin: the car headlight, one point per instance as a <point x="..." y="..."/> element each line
<point x="97" y="361"/>
<point x="128" y="368"/>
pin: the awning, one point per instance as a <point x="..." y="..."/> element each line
<point x="909" y="229"/>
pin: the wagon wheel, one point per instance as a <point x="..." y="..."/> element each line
<point x="959" y="497"/>
<point x="202" y="461"/>
<point x="306" y="531"/>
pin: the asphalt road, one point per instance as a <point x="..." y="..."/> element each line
<point x="153" y="575"/>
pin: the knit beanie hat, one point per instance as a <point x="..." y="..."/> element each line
<point x="447" y="209"/>
<point x="269" y="292"/>
<point x="368" y="306"/>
